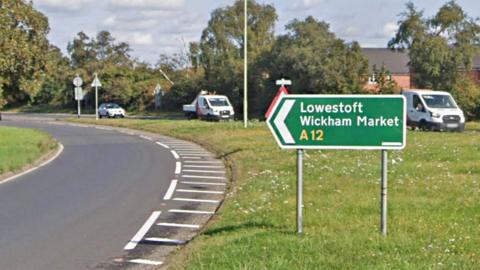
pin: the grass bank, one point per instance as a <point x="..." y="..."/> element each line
<point x="434" y="208"/>
<point x="20" y="147"/>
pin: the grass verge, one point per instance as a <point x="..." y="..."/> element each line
<point x="433" y="208"/>
<point x="20" y="147"/>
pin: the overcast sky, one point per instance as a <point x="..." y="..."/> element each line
<point x="154" y="27"/>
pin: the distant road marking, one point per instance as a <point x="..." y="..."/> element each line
<point x="163" y="145"/>
<point x="203" y="166"/>
<point x="60" y="150"/>
<point x="204" y="171"/>
<point x="194" y="155"/>
<point x="195" y="200"/>
<point x="143" y="230"/>
<point x="205" y="161"/>
<point x="146" y="137"/>
<point x="199" y="191"/>
<point x="185" y="211"/>
<point x="148" y="262"/>
<point x="175" y="155"/>
<point x="179" y="225"/>
<point x="166" y="240"/>
<point x="104" y="128"/>
<point x="170" y="190"/>
<point x="178" y="167"/>
<point x="189" y="149"/>
<point x="190" y="157"/>
<point x="203" y="183"/>
<point x="204" y="177"/>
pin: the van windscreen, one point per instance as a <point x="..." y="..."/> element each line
<point x="218" y="102"/>
<point x="439" y="101"/>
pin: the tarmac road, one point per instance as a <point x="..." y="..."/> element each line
<point x="80" y="210"/>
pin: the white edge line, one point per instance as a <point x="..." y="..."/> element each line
<point x="204" y="177"/>
<point x="143" y="230"/>
<point x="200" y="191"/>
<point x="204" y="171"/>
<point x="148" y="262"/>
<point x="163" y="145"/>
<point x="60" y="150"/>
<point x="175" y="155"/>
<point x="166" y="240"/>
<point x="170" y="190"/>
<point x="203" y="183"/>
<point x="178" y="167"/>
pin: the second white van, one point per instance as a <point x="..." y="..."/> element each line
<point x="433" y="110"/>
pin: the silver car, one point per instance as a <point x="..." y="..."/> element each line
<point x="110" y="110"/>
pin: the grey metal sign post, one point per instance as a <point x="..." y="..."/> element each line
<point x="77" y="82"/>
<point x="96" y="83"/>
<point x="300" y="191"/>
<point x="383" y="194"/>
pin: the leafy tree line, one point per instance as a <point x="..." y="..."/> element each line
<point x="33" y="71"/>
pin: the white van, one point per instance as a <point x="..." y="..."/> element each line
<point x="209" y="107"/>
<point x="433" y="110"/>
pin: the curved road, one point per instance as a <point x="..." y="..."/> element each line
<point x="80" y="210"/>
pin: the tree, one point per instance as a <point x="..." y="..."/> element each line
<point x="317" y="61"/>
<point x="23" y="48"/>
<point x="441" y="48"/>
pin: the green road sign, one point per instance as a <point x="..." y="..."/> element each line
<point x="339" y="122"/>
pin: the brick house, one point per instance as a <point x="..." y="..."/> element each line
<point x="396" y="62"/>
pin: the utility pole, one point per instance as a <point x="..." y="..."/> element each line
<point x="245" y="67"/>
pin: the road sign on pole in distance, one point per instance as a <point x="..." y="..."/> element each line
<point x="78" y="93"/>
<point x="77" y="81"/>
<point x="339" y="122"/>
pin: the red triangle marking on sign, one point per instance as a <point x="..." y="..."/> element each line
<point x="282" y="91"/>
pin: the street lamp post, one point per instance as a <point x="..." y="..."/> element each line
<point x="245" y="72"/>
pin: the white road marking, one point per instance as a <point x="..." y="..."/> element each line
<point x="146" y="137"/>
<point x="186" y="211"/>
<point x="189" y="149"/>
<point x="199" y="191"/>
<point x="178" y="167"/>
<point x="170" y="190"/>
<point x="179" y="225"/>
<point x="203" y="166"/>
<point x="190" y="157"/>
<point x="204" y="171"/>
<point x="195" y="200"/>
<point x="166" y="240"/>
<point x="175" y="155"/>
<point x="194" y="155"/>
<point x="204" y="177"/>
<point x="203" y="183"/>
<point x="148" y="262"/>
<point x="143" y="230"/>
<point x="163" y="145"/>
<point x="205" y="161"/>
<point x="104" y="128"/>
<point x="60" y="150"/>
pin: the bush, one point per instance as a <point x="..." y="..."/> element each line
<point x="467" y="95"/>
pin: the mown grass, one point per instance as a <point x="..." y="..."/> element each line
<point x="20" y="147"/>
<point x="433" y="207"/>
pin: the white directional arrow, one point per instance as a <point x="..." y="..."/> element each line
<point x="280" y="121"/>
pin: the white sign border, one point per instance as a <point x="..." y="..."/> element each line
<point x="317" y="147"/>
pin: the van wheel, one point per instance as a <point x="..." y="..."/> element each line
<point x="423" y="125"/>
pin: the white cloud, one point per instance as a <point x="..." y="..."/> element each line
<point x="146" y="4"/>
<point x="62" y="5"/>
<point x="389" y="29"/>
<point x="135" y="38"/>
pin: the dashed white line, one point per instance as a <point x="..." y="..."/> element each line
<point x="199" y="191"/>
<point x="178" y="167"/>
<point x="195" y="200"/>
<point x="193" y="226"/>
<point x="203" y="183"/>
<point x="143" y="230"/>
<point x="163" y="145"/>
<point x="147" y="262"/>
<point x="204" y="177"/>
<point x="170" y="190"/>
<point x="146" y="137"/>
<point x="190" y="157"/>
<point x="204" y="171"/>
<point x="186" y="211"/>
<point x="175" y="155"/>
<point x="166" y="240"/>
